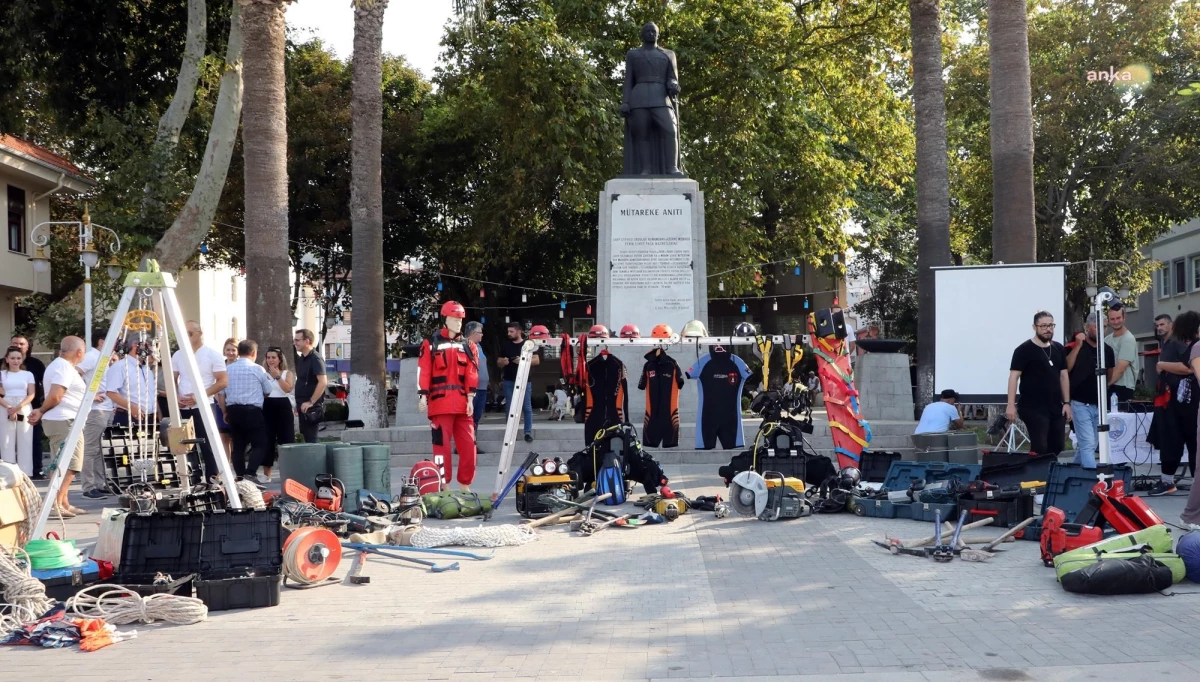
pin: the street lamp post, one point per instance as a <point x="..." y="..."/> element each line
<point x="88" y="257"/>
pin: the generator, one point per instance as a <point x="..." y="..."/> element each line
<point x="785" y="498"/>
<point x="530" y="489"/>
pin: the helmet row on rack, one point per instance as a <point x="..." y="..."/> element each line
<point x="691" y="330"/>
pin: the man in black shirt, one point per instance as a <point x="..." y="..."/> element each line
<point x="1174" y="425"/>
<point x="510" y="353"/>
<point x="1040" y="365"/>
<point x="1085" y="405"/>
<point x="310" y="383"/>
<point x="38" y="369"/>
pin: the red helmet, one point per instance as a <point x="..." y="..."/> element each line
<point x="630" y="331"/>
<point x="599" y="331"/>
<point x="453" y="309"/>
<point x="539" y="331"/>
<point x="662" y="331"/>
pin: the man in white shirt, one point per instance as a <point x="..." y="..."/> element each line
<point x="92" y="478"/>
<point x="131" y="385"/>
<point x="64" y="394"/>
<point x="941" y="415"/>
<point x="212" y="373"/>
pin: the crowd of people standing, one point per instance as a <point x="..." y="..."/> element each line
<point x="255" y="407"/>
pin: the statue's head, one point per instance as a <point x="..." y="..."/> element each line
<point x="650" y="34"/>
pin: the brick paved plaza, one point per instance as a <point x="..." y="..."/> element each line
<point x="697" y="599"/>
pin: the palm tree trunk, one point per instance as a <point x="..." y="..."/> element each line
<point x="264" y="140"/>
<point x="179" y="243"/>
<point x="1014" y="236"/>
<point x="933" y="180"/>
<point x="368" y="364"/>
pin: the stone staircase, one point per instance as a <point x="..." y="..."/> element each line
<point x="562" y="439"/>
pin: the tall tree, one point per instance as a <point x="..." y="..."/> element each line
<point x="178" y="244"/>
<point x="1014" y="236"/>
<point x="264" y="140"/>
<point x="933" y="180"/>
<point x="368" y="338"/>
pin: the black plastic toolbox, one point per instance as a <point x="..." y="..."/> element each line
<point x="160" y="546"/>
<point x="1005" y="513"/>
<point x="1012" y="468"/>
<point x="241" y="559"/>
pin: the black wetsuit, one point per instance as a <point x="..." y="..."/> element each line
<point x="720" y="375"/>
<point x="661" y="380"/>
<point x="607" y="395"/>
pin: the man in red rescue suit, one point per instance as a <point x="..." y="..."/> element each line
<point x="447" y="376"/>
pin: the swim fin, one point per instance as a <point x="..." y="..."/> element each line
<point x="611" y="480"/>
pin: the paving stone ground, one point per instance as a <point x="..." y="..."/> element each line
<point x="700" y="598"/>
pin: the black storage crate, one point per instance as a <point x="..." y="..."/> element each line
<point x="1013" y="468"/>
<point x="166" y="543"/>
<point x="1005" y="513"/>
<point x="810" y="468"/>
<point x="241" y="559"/>
<point x="243" y="592"/>
<point x="874" y="466"/>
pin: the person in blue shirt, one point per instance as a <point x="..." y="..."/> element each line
<point x="474" y="332"/>
<point x="941" y="415"/>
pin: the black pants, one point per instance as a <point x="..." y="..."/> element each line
<point x="281" y="426"/>
<point x="248" y="428"/>
<point x="1047" y="433"/>
<point x="210" y="462"/>
<point x="1176" y="431"/>
<point x="37" y="449"/>
<point x="309" y="429"/>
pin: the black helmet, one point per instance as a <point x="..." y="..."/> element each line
<point x="744" y="329"/>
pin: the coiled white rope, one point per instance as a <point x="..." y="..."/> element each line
<point x="121" y="606"/>
<point x="24" y="596"/>
<point x="491" y="536"/>
<point x="250" y="494"/>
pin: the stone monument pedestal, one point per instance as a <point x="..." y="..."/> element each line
<point x="652" y="270"/>
<point x="884" y="386"/>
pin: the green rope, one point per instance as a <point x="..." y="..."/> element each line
<point x="51" y="554"/>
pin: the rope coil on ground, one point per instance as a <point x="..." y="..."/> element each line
<point x="492" y="536"/>
<point x="24" y="596"/>
<point x="250" y="495"/>
<point x="122" y="606"/>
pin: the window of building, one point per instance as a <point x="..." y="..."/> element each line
<point x="233" y="328"/>
<point x="1195" y="273"/>
<point x="16" y="219"/>
<point x="1180" y="277"/>
<point x="1164" y="281"/>
<point x="233" y="287"/>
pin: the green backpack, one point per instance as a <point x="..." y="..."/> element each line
<point x="453" y="504"/>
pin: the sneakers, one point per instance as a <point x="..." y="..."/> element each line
<point x="263" y="479"/>
<point x="529" y="437"/>
<point x="1190" y="526"/>
<point x="1162" y="488"/>
<point x="95" y="494"/>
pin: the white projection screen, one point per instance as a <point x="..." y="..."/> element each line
<point x="983" y="313"/>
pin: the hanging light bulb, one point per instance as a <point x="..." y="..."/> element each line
<point x="482" y="319"/>
<point x="560" y="314"/>
<point x="743" y="307"/>
<point x="524" y="298"/>
<point x="774" y="304"/>
<point x="721" y="285"/>
<point x="806" y="304"/>
<point x="482" y="293"/>
<point x="203" y="248"/>
<point x="506" y="319"/>
<point x="439" y="285"/>
<point x="562" y="305"/>
<point x="589" y="310"/>
<point x="796" y="271"/>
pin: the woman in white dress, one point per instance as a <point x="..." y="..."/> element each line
<point x="16" y="435"/>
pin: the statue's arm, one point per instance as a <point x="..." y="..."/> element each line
<point x="627" y="86"/>
<point x="673" y="80"/>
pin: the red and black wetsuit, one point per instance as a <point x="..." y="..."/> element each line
<point x="607" y="395"/>
<point x="661" y="380"/>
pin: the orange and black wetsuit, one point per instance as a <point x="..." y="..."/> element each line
<point x="607" y="395"/>
<point x="661" y="380"/>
